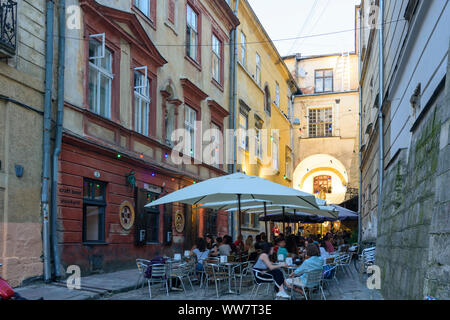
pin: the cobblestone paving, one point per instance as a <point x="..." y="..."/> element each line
<point x="349" y="287"/>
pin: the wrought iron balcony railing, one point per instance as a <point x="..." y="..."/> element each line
<point x="8" y="27"/>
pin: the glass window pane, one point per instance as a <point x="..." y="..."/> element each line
<point x="105" y="96"/>
<point x="328" y="84"/>
<point x="319" y="74"/>
<point x="328" y="73"/>
<point x="319" y="85"/>
<point x="93" y="76"/>
<point x="93" y="223"/>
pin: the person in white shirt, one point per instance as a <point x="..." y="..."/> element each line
<point x="323" y="253"/>
<point x="201" y="252"/>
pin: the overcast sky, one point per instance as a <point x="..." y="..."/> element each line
<point x="285" y="19"/>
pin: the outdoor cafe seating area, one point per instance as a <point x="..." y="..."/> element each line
<point x="234" y="274"/>
<point x="237" y="272"/>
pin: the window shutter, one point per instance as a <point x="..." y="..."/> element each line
<point x="172" y="11"/>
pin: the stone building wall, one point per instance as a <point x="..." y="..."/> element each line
<point x="413" y="229"/>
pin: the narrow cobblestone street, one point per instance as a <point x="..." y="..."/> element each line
<point x="349" y="287"/>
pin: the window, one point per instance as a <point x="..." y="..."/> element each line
<point x="144" y="6"/>
<point x="243" y="125"/>
<point x="324" y="81"/>
<point x="189" y="122"/>
<point x="216" y="58"/>
<point x="169" y="119"/>
<point x="250" y="220"/>
<point x="216" y="144"/>
<point x="320" y="122"/>
<point x="322" y="184"/>
<point x="191" y="33"/>
<point x="152" y="219"/>
<point x="277" y="94"/>
<point x="94" y="204"/>
<point x="100" y="76"/>
<point x="243" y="49"/>
<point x="141" y="101"/>
<point x="258" y="69"/>
<point x="267" y="100"/>
<point x="258" y="143"/>
<point x="211" y="222"/>
<point x="275" y="155"/>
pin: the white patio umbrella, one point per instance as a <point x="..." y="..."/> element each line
<point x="238" y="187"/>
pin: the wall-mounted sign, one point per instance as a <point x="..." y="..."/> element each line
<point x="126" y="213"/>
<point x="152" y="188"/>
<point x="179" y="221"/>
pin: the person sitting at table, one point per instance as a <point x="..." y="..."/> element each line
<point x="323" y="253"/>
<point x="239" y="243"/>
<point x="224" y="247"/>
<point x="291" y="246"/>
<point x="249" y="248"/>
<point x="312" y="262"/>
<point x="258" y="243"/>
<point x="201" y="252"/>
<point x="328" y="245"/>
<point x="211" y="246"/>
<point x="264" y="271"/>
<point x="227" y="239"/>
<point x="281" y="243"/>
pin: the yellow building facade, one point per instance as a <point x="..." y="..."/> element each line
<point x="326" y="126"/>
<point x="263" y="103"/>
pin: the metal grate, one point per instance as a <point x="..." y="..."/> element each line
<point x="8" y="26"/>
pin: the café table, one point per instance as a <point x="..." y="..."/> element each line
<point x="229" y="266"/>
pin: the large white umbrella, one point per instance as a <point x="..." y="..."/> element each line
<point x="238" y="187"/>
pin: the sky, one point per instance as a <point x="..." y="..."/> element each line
<point x="287" y="19"/>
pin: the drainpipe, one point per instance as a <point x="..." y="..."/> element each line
<point x="58" y="138"/>
<point x="380" y="106"/>
<point x="360" y="127"/>
<point x="46" y="139"/>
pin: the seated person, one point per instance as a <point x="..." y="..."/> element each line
<point x="323" y="253"/>
<point x="313" y="262"/>
<point x="224" y="248"/>
<point x="281" y="243"/>
<point x="264" y="271"/>
<point x="201" y="252"/>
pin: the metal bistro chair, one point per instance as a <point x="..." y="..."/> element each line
<point x="158" y="274"/>
<point x="258" y="282"/>
<point x="214" y="272"/>
<point x="182" y="271"/>
<point x="212" y="260"/>
<point x="313" y="282"/>
<point x="240" y="273"/>
<point x="142" y="265"/>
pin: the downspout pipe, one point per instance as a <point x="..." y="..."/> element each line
<point x="360" y="128"/>
<point x="46" y="139"/>
<point x="380" y="107"/>
<point x="231" y="123"/>
<point x="58" y="137"/>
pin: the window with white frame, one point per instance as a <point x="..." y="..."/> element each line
<point x="190" y="116"/>
<point x="191" y="33"/>
<point x="258" y="69"/>
<point x="144" y="6"/>
<point x="215" y="141"/>
<point x="141" y="101"/>
<point x="243" y="49"/>
<point x="243" y="125"/>
<point x="216" y="58"/>
<point x="100" y="76"/>
<point x="275" y="161"/>
<point x="258" y="144"/>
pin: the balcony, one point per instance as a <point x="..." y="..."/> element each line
<point x="8" y="28"/>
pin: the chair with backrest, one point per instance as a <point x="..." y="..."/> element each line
<point x="260" y="279"/>
<point x="214" y="272"/>
<point x="313" y="282"/>
<point x="182" y="271"/>
<point x="142" y="265"/>
<point x="241" y="273"/>
<point x="158" y="274"/>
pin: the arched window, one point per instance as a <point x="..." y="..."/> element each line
<point x="267" y="100"/>
<point x="322" y="184"/>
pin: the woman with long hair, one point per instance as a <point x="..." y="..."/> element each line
<point x="265" y="271"/>
<point x="201" y="252"/>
